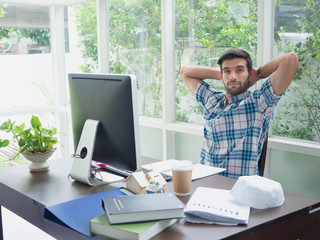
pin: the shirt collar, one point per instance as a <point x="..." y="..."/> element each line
<point x="239" y="97"/>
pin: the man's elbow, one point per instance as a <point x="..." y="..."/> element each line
<point x="182" y="70"/>
<point x="184" y="73"/>
<point x="293" y="60"/>
<point x="291" y="64"/>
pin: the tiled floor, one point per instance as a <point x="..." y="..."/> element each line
<point x="16" y="228"/>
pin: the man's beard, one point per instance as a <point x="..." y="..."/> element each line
<point x="242" y="88"/>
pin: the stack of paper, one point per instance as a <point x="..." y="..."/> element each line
<point x="216" y="206"/>
<point x="198" y="171"/>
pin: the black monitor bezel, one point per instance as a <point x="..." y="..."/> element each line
<point x="112" y="100"/>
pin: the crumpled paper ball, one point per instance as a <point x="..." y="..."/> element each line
<point x="258" y="192"/>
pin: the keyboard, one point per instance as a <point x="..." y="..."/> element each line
<point x="120" y="171"/>
<point x="126" y="173"/>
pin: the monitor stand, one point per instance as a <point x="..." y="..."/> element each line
<point x="82" y="170"/>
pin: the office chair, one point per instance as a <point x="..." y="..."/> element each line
<point x="262" y="159"/>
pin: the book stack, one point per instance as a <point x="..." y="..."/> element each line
<point x="144" y="230"/>
<point x="143" y="207"/>
<point x="137" y="216"/>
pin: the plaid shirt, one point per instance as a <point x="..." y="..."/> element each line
<point x="234" y="134"/>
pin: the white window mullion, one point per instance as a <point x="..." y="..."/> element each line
<point x="168" y="76"/>
<point x="59" y="73"/>
<point x="267" y="29"/>
<point x="265" y="41"/>
<point x="265" y="32"/>
<point x="103" y="35"/>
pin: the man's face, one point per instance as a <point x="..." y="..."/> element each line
<point x="235" y="76"/>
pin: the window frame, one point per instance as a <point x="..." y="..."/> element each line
<point x="265" y="41"/>
<point x="59" y="80"/>
<point x="167" y="124"/>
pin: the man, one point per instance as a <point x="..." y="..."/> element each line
<point x="237" y="121"/>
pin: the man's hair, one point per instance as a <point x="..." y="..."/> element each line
<point x="236" y="53"/>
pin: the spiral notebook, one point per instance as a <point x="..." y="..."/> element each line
<point x="215" y="206"/>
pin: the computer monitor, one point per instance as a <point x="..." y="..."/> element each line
<point x="110" y="99"/>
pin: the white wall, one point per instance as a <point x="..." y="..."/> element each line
<point x="298" y="173"/>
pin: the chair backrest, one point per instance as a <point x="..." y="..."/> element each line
<point x="262" y="159"/>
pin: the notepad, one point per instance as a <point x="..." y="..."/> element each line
<point x="215" y="206"/>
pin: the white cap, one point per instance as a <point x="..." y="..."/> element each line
<point x="258" y="192"/>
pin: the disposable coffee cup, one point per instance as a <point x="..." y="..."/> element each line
<point x="182" y="177"/>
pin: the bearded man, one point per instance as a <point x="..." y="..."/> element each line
<point x="237" y="121"/>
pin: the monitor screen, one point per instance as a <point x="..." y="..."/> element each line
<point x="112" y="100"/>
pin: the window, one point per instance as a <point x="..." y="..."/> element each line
<point x="25" y="42"/>
<point x="33" y="66"/>
<point x="297" y="29"/>
<point x="27" y="76"/>
<point x="204" y="30"/>
<point x="134" y="46"/>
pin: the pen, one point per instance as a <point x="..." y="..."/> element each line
<point x="101" y="164"/>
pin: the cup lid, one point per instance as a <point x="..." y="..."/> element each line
<point x="183" y="165"/>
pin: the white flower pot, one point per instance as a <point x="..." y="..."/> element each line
<point x="38" y="160"/>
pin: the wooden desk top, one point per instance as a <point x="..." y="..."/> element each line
<point x="54" y="186"/>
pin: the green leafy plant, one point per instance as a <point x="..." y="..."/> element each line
<point x="4" y="143"/>
<point x="299" y="115"/>
<point x="32" y="140"/>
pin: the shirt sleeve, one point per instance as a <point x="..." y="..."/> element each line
<point x="266" y="98"/>
<point x="205" y="93"/>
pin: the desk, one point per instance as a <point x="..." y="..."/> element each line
<point x="27" y="194"/>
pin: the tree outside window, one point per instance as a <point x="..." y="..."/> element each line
<point x="297" y="25"/>
<point x="204" y="30"/>
<point x="134" y="43"/>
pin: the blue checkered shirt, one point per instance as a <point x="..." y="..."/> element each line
<point x="234" y="134"/>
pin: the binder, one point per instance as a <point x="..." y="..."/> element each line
<point x="76" y="214"/>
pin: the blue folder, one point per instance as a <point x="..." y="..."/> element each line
<point x="76" y="214"/>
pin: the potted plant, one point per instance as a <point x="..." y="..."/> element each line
<point x="36" y="143"/>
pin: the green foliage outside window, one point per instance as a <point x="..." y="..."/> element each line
<point x="86" y="23"/>
<point x="299" y="114"/>
<point x="39" y="36"/>
<point x="134" y="43"/>
<point x="204" y="30"/>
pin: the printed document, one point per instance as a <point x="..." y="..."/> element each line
<point x="215" y="206"/>
<point x="198" y="171"/>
